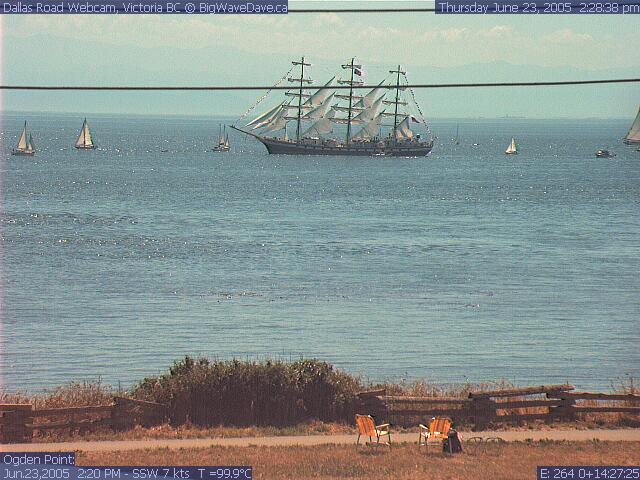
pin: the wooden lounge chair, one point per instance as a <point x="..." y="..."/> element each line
<point x="437" y="432"/>
<point x="368" y="428"/>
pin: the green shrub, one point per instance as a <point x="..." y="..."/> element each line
<point x="242" y="393"/>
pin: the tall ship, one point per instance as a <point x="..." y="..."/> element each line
<point x="633" y="136"/>
<point x="85" y="141"/>
<point x="25" y="143"/>
<point x="332" y="121"/>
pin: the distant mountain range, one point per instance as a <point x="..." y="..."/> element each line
<point x="66" y="62"/>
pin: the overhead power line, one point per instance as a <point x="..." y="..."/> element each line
<point x="315" y="87"/>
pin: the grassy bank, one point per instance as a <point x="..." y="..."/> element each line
<point x="508" y="461"/>
<point x="243" y="398"/>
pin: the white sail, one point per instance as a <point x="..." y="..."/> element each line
<point x="282" y="109"/>
<point x="321" y="95"/>
<point x="370" y="98"/>
<point x="22" y="142"/>
<point x="87" y="134"/>
<point x="278" y="123"/>
<point x="269" y="114"/>
<point x="634" y="132"/>
<point x="30" y="146"/>
<point x="84" y="139"/>
<point x="370" y="130"/>
<point x="324" y="126"/>
<point x="403" y="130"/>
<point x="369" y="113"/>
<point x="320" y="111"/>
<point x="512" y="148"/>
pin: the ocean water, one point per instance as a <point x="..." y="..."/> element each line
<point x="466" y="266"/>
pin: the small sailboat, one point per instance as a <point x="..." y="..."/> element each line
<point x="25" y="143"/>
<point x="512" y="149"/>
<point x="85" y="141"/>
<point x="456" y="141"/>
<point x="633" y="136"/>
<point x="223" y="142"/>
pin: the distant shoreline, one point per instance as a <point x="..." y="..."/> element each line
<point x="234" y="117"/>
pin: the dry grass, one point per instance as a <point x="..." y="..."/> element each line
<point x="71" y="395"/>
<point x="511" y="461"/>
<point x="167" y="431"/>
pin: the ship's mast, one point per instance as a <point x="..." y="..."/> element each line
<point x="350" y="102"/>
<point x="351" y="66"/>
<point x="302" y="80"/>
<point x="397" y="101"/>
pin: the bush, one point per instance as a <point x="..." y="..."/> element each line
<point x="241" y="393"/>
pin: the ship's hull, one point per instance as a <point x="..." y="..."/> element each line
<point x="85" y="147"/>
<point x="631" y="142"/>
<point x="23" y="152"/>
<point x="365" y="149"/>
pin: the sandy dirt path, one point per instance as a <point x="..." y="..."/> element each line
<point x="627" y="435"/>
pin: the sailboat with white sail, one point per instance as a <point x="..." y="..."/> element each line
<point x="633" y="136"/>
<point x="85" y="141"/>
<point x="223" y="141"/>
<point x="378" y="122"/>
<point x="25" y="143"/>
<point x="512" y="149"/>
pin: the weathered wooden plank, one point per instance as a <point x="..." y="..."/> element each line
<point x="13" y="428"/>
<point x="606" y="409"/>
<point x="521" y="391"/>
<point x="15" y="406"/>
<point x="427" y="400"/>
<point x="49" y="412"/>
<point x="457" y="412"/>
<point x="520" y="417"/>
<point x="372" y="393"/>
<point x="528" y="404"/>
<point x="599" y="396"/>
<point x="63" y="424"/>
<point x="139" y="402"/>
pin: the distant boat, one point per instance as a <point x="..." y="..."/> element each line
<point x="84" y="141"/>
<point x="456" y="141"/>
<point x="605" y="154"/>
<point x="223" y="142"/>
<point x="633" y="136"/>
<point x="512" y="149"/>
<point x="25" y="143"/>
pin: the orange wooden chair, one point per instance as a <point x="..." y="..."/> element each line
<point x="368" y="428"/>
<point x="436" y="432"/>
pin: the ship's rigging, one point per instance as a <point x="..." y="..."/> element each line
<point x="315" y="114"/>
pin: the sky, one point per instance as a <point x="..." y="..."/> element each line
<point x="257" y="50"/>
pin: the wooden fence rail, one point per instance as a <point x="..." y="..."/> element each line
<point x="18" y="421"/>
<point x="551" y="402"/>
